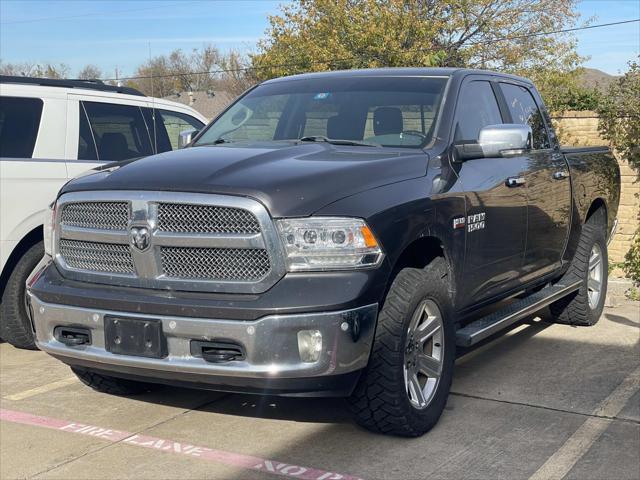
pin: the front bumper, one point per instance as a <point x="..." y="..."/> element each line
<point x="272" y="364"/>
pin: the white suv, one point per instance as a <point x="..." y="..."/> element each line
<point x="50" y="132"/>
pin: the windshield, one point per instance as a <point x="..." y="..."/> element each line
<point x="387" y="111"/>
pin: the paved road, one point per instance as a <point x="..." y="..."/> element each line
<point x="542" y="401"/>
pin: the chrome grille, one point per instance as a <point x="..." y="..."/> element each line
<point x="96" y="215"/>
<point x="195" y="242"/>
<point x="239" y="264"/>
<point x="184" y="218"/>
<point x="98" y="257"/>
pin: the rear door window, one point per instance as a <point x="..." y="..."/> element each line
<point x="524" y="111"/>
<point x="19" y="124"/>
<point x="158" y="133"/>
<point x="120" y="131"/>
<point x="175" y="122"/>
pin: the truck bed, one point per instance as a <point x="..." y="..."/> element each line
<point x="573" y="150"/>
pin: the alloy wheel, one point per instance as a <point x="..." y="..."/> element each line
<point x="594" y="279"/>
<point x="424" y="354"/>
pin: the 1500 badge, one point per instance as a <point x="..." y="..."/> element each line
<point x="472" y="222"/>
<point x="475" y="222"/>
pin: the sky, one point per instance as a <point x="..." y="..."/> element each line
<point x="122" y="34"/>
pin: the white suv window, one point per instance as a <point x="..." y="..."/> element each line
<point x="119" y="132"/>
<point x="19" y="124"/>
<point x="175" y="123"/>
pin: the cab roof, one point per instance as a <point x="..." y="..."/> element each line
<point x="397" y="72"/>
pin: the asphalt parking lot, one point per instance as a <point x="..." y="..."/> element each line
<point x="541" y="401"/>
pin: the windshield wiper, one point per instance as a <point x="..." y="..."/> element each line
<point x="219" y="141"/>
<point x="336" y="141"/>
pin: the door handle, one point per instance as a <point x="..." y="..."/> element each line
<point x="560" y="175"/>
<point x="515" y="181"/>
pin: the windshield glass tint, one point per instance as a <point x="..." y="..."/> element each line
<point x="389" y="111"/>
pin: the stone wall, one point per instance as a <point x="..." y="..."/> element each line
<point x="581" y="128"/>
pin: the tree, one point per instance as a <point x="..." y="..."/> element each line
<point x="155" y="78"/>
<point x="505" y="35"/>
<point x="619" y="113"/>
<point x="90" y="72"/>
<point x="41" y="70"/>
<point x="237" y="76"/>
<point x="200" y="70"/>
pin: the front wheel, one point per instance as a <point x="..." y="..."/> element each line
<point x="405" y="387"/>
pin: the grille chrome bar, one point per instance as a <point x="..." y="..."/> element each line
<point x="210" y="252"/>
<point x="208" y="240"/>
<point x="101" y="236"/>
<point x="166" y="239"/>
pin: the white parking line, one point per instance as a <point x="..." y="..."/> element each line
<point x="43" y="389"/>
<point x="561" y="462"/>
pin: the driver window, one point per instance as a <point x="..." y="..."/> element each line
<point x="477" y="108"/>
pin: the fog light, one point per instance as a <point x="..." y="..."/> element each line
<point x="309" y="345"/>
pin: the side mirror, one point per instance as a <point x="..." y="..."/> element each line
<point x="186" y="136"/>
<point x="497" y="141"/>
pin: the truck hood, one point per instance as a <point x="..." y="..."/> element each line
<point x="289" y="179"/>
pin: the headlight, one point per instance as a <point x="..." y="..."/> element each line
<point x="328" y="243"/>
<point x="49" y="228"/>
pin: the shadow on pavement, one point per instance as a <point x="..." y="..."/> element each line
<point x="508" y="353"/>
<point x="622" y="320"/>
<point x="316" y="410"/>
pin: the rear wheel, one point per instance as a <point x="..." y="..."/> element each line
<point x="15" y="325"/>
<point x="405" y="387"/>
<point x="112" y="385"/>
<point x="590" y="265"/>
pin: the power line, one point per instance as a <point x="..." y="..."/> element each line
<point x="566" y="30"/>
<point x="338" y="59"/>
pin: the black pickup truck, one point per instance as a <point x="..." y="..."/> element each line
<point x="331" y="234"/>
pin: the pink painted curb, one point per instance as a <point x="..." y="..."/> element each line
<point x="169" y="446"/>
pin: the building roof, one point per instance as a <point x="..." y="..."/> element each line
<point x="208" y="106"/>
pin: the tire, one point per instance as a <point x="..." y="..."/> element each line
<point x="383" y="401"/>
<point x="15" y="325"/>
<point x="112" y="385"/>
<point x="581" y="308"/>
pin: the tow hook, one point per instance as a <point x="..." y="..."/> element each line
<point x="72" y="336"/>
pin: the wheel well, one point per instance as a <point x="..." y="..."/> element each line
<point x="419" y="253"/>
<point x="29" y="240"/>
<point x="597" y="213"/>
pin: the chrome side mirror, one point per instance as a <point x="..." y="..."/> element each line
<point x="185" y="137"/>
<point x="505" y="140"/>
<point x="502" y="140"/>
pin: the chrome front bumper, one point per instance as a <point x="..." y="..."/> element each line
<point x="270" y="343"/>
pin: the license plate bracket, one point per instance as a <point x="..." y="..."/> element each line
<point x="139" y="337"/>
